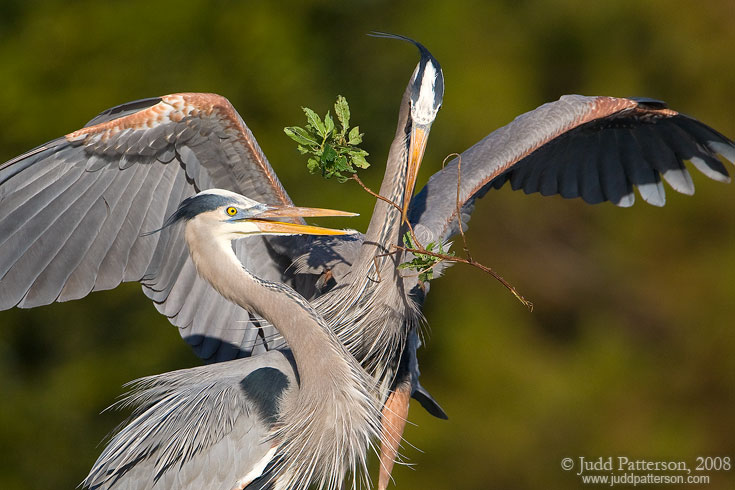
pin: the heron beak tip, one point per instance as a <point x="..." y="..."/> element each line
<point x="297" y="212"/>
<point x="281" y="228"/>
<point x="265" y="225"/>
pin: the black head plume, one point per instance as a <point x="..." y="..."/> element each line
<point x="426" y="58"/>
<point x="191" y="207"/>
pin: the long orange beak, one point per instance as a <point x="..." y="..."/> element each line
<point x="417" y="145"/>
<point x="268" y="226"/>
<point x="296" y="212"/>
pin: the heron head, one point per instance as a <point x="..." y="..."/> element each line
<point x="226" y="214"/>
<point x="426" y="93"/>
<point x="427" y="88"/>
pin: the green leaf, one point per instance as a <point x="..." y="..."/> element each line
<point x="329" y="154"/>
<point x="408" y="241"/>
<point x="328" y="124"/>
<point x="342" y="109"/>
<point x="300" y="135"/>
<point x="354" y="138"/>
<point x="359" y="160"/>
<point x="315" y="122"/>
<point x="344" y="165"/>
<point x="313" y="165"/>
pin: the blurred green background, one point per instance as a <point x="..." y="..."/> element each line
<point x="630" y="350"/>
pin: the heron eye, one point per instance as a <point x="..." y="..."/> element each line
<point x="231" y="211"/>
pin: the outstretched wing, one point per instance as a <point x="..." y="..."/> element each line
<point x="596" y="148"/>
<point x="73" y="214"/>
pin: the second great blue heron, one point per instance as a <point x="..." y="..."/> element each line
<point x="285" y="419"/>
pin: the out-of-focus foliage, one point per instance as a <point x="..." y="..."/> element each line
<point x="630" y="349"/>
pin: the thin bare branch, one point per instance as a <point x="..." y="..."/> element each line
<point x="375" y="194"/>
<point x="385" y="199"/>
<point x="375" y="262"/>
<point x="458" y="203"/>
<point x="473" y="263"/>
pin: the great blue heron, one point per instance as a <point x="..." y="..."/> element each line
<point x="308" y="413"/>
<point x="124" y="158"/>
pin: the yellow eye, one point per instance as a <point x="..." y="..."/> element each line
<point x="231" y="211"/>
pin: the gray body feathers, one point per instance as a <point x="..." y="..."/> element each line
<point x="196" y="428"/>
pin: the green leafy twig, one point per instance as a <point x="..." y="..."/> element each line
<point x="332" y="150"/>
<point x="422" y="262"/>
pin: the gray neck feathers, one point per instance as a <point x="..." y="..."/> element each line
<point x="326" y="427"/>
<point x="371" y="312"/>
<point x="385" y="223"/>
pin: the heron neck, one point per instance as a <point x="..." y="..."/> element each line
<point x="317" y="353"/>
<point x="385" y="224"/>
<point x="326" y="423"/>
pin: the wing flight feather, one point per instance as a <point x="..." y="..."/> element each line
<point x="74" y="212"/>
<point x="596" y="148"/>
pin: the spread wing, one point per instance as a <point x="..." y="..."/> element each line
<point x="74" y="211"/>
<point x="596" y="148"/>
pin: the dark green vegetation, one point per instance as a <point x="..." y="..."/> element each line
<point x="630" y="349"/>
